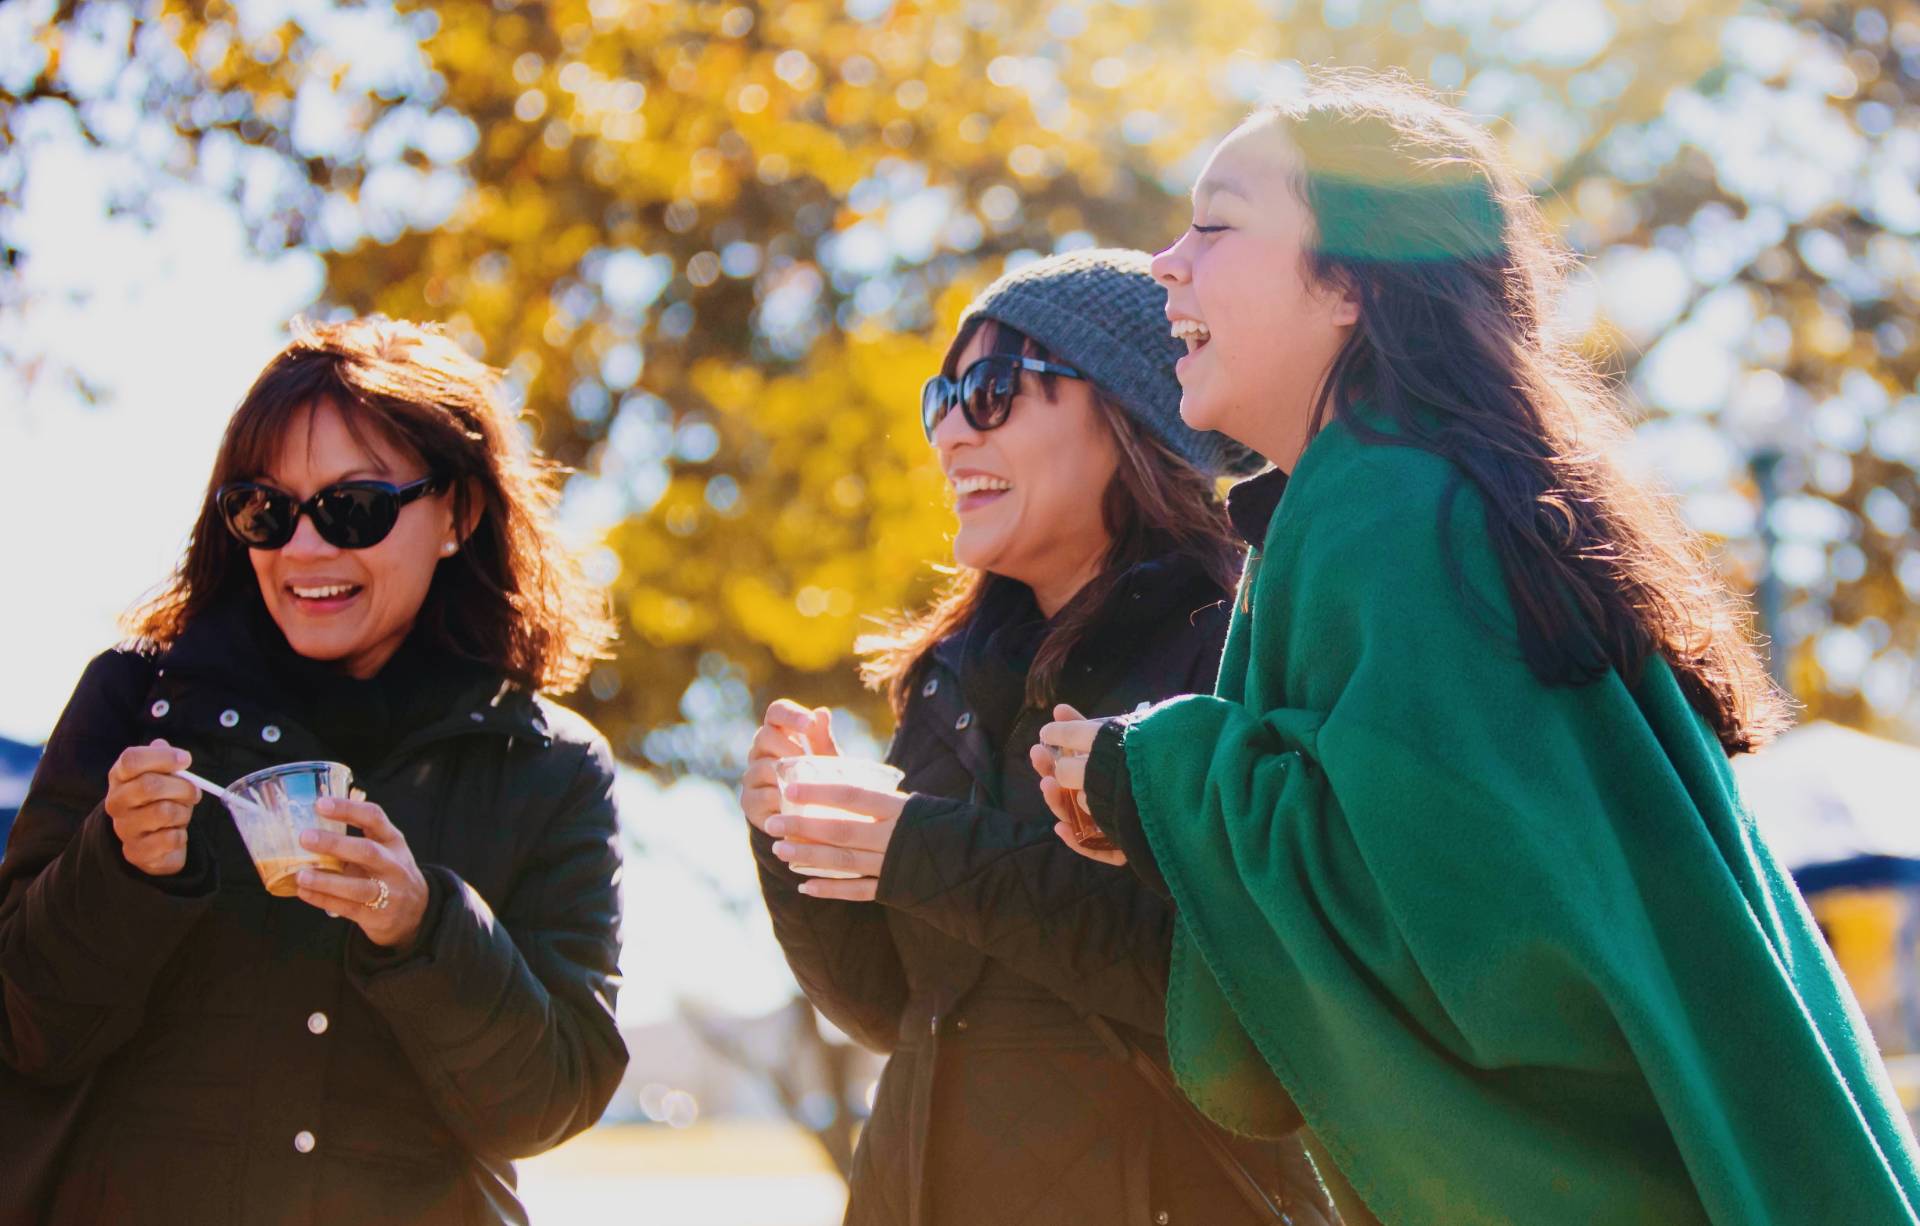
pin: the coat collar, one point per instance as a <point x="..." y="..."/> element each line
<point x="1148" y="594"/>
<point x="1251" y="504"/>
<point x="224" y="646"/>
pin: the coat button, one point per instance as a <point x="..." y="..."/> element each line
<point x="229" y="718"/>
<point x="961" y="1024"/>
<point x="933" y="1027"/>
<point x="1161" y="1218"/>
<point x="160" y="708"/>
<point x="476" y="717"/>
<point x="931" y="688"/>
<point x="270" y="733"/>
<point x="317" y="1022"/>
<point x="964" y="722"/>
<point x="303" y="1141"/>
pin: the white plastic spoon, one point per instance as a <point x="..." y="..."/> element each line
<point x="233" y="799"/>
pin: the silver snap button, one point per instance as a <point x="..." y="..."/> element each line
<point x="931" y="688"/>
<point x="304" y="1141"/>
<point x="229" y="718"/>
<point x="317" y="1022"/>
<point x="160" y="708"/>
<point x="964" y="722"/>
<point x="1162" y="1218"/>
<point x="270" y="734"/>
<point x="476" y="717"/>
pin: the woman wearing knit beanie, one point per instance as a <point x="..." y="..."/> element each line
<point x="1019" y="987"/>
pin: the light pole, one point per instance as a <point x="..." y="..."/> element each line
<point x="1765" y="419"/>
<point x="1764" y="463"/>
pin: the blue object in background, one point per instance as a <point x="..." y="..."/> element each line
<point x="16" y="769"/>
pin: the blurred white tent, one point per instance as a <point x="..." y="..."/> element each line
<point x="1837" y="806"/>
<point x="1841" y="810"/>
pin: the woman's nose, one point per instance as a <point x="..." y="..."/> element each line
<point x="954" y="431"/>
<point x="307" y="541"/>
<point x="1170" y="266"/>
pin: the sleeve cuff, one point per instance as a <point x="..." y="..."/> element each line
<point x="1109" y="790"/>
<point x="372" y="959"/>
<point x="904" y="877"/>
<point x="197" y="879"/>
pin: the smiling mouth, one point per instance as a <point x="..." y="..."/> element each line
<point x="321" y="596"/>
<point x="1193" y="332"/>
<point x="971" y="493"/>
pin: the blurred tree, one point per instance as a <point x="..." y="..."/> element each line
<point x="1773" y="210"/>
<point x="718" y="245"/>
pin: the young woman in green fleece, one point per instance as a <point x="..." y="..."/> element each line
<point x="1460" y="870"/>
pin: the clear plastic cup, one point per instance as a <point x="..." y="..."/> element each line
<point x="280" y="806"/>
<point x="832" y="768"/>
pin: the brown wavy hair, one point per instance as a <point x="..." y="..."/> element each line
<point x="1419" y="217"/>
<point x="513" y="598"/>
<point x="1155" y="504"/>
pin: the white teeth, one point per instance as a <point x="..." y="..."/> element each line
<point x="324" y="593"/>
<point x="1191" y="330"/>
<point x="977" y="485"/>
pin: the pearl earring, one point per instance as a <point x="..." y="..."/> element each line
<point x="446" y="550"/>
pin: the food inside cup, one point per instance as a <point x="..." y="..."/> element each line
<point x="280" y="807"/>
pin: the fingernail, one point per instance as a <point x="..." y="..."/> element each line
<point x="181" y="757"/>
<point x="305" y="879"/>
<point x="776" y="826"/>
<point x="309" y="839"/>
<point x="325" y="804"/>
<point x="783" y="850"/>
<point x="807" y="889"/>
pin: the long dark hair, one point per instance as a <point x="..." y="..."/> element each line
<point x="1155" y="504"/>
<point x="1418" y="216"/>
<point x="513" y="598"/>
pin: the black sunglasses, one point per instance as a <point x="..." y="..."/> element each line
<point x="984" y="392"/>
<point x="349" y="515"/>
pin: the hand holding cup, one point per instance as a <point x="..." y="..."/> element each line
<point x="788" y="730"/>
<point x="1061" y="761"/>
<point x="380" y="887"/>
<point x="835" y="822"/>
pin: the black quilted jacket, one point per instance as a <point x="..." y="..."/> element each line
<point x="992" y="944"/>
<point x="192" y="1050"/>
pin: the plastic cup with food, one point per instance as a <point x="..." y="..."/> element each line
<point x="832" y="768"/>
<point x="276" y="807"/>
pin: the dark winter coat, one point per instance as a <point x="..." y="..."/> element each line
<point x="190" y="1049"/>
<point x="992" y="945"/>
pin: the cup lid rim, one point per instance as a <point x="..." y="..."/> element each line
<point x="313" y="767"/>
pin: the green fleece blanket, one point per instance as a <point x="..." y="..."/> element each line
<point x="1516" y="952"/>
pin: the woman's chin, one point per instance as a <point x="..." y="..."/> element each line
<point x="1197" y="410"/>
<point x="974" y="548"/>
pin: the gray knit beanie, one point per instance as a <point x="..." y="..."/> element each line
<point x="1102" y="313"/>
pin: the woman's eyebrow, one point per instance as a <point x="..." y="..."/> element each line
<point x="1207" y="189"/>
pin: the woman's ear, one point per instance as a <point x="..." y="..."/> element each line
<point x="469" y="507"/>
<point x="1344" y="300"/>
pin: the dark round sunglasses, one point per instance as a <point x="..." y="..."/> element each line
<point x="348" y="515"/>
<point x="984" y="391"/>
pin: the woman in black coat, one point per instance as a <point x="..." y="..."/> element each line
<point x="373" y="581"/>
<point x="1017" y="985"/>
